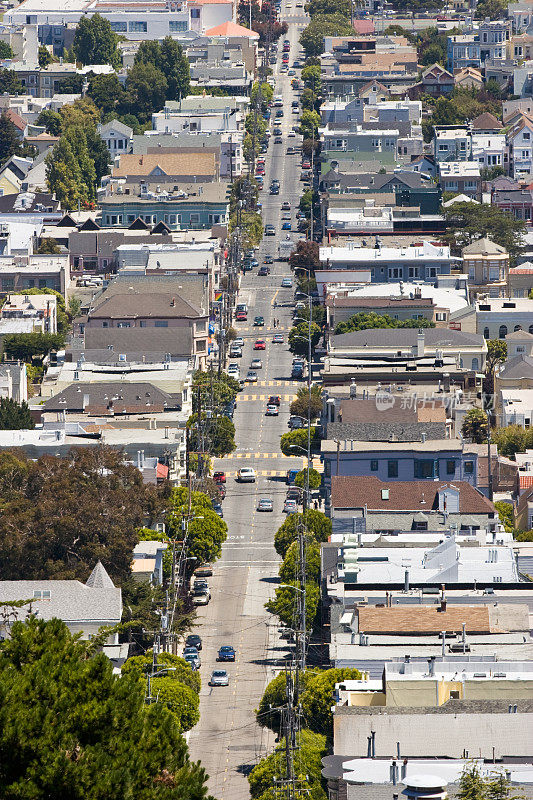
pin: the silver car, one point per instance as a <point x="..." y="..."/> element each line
<point x="219" y="677"/>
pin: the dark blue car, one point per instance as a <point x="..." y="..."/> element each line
<point x="226" y="653"/>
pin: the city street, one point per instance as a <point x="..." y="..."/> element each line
<point x="227" y="739"/>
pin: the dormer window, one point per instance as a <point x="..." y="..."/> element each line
<point x="42" y="594"/>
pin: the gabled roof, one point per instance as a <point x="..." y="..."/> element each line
<point x="486" y="122"/>
<point x="436" y="69"/>
<point x="232" y="29"/>
<point x="367" y="490"/>
<point x="519" y="336"/>
<point x="115" y="125"/>
<point x="517" y="368"/>
<point x="484" y="247"/>
<point x="18" y="121"/>
<point x="90" y="225"/>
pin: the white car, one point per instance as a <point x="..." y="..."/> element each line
<point x="291" y="135"/>
<point x="246" y="475"/>
<point x="238" y="341"/>
<point x="219" y="677"/>
<point x="271" y="411"/>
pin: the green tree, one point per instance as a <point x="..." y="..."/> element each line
<point x="90" y="734"/>
<point x="214" y="391"/>
<point x="49" y="246"/>
<point x="317" y="698"/>
<point x="309" y="122"/>
<point x="513" y="439"/>
<point x="288" y="571"/>
<point x="179" y="670"/>
<point x="284" y="603"/>
<point x="6" y="51"/>
<point x="321" y="7"/>
<point x="268" y="713"/>
<point x="311" y="749"/>
<point x="311" y="77"/>
<point x="493" y="9"/>
<point x="267" y="94"/>
<point x="506" y="514"/>
<point x="9" y="139"/>
<point x="312" y="37"/>
<point x="148" y="89"/>
<point x="64" y="175"/>
<point x="169" y="60"/>
<point x="95" y="42"/>
<point x="496" y="353"/>
<point x="475" y="426"/>
<point x="467" y="222"/>
<point x="472" y="785"/>
<point x="9" y="82"/>
<point x="207" y="532"/>
<point x="314" y="479"/>
<point x="25" y="346"/>
<point x="298" y="438"/>
<point x="369" y="320"/>
<point x="82" y="112"/>
<point x="62" y="317"/>
<point x="92" y="503"/>
<point x="434" y="53"/>
<point x="181" y="701"/>
<point x="107" y="92"/>
<point x="217" y="436"/>
<point x="305" y="405"/>
<point x="14" y="416"/>
<point x="45" y="57"/>
<point x="306" y="253"/>
<point x="299" y="339"/>
<point x="315" y="522"/>
<point x="50" y="120"/>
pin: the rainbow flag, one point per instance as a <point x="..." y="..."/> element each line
<point x="218" y="297"/>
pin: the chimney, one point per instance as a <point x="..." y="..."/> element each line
<point x="420" y="343"/>
<point x="406" y="581"/>
<point x="404" y="769"/>
<point x="85" y="402"/>
<point x="431" y="665"/>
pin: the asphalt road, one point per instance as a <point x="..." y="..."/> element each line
<point x="227" y="739"/>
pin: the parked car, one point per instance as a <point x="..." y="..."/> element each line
<point x="193" y="640"/>
<point x="201" y="597"/>
<point x="219" y="677"/>
<point x="270" y="229"/>
<point x="286" y="283"/>
<point x="246" y="475"/>
<point x="286" y="206"/>
<point x="286" y="226"/>
<point x="226" y="653"/>
<point x="219" y="476"/>
<point x="290" y="507"/>
<point x="256" y="363"/>
<point x="295" y="423"/>
<point x="217" y="508"/>
<point x="291" y="475"/>
<point x="238" y="341"/>
<point x="251" y="376"/>
<point x="259" y="321"/>
<point x="263" y="271"/>
<point x="194" y="661"/>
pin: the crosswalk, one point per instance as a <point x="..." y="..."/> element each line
<point x="261" y="456"/>
<point x="261" y="329"/>
<point x="286" y="384"/>
<point x="295" y="461"/>
<point x="247" y="398"/>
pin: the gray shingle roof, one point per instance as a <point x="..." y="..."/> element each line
<point x="123" y="397"/>
<point x="406" y="337"/>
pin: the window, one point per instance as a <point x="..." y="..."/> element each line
<point x="195" y="13"/>
<point x="105" y="324"/>
<point x="502" y="332"/>
<point x="526" y="136"/>
<point x="475" y="364"/>
<point x="450" y="466"/>
<point x="175" y="26"/>
<point x="200" y="346"/>
<point x="137" y="26"/>
<point x="194" y="219"/>
<point x="420" y="525"/>
<point x="374" y="465"/>
<point x="392" y="469"/>
<point x="161" y="323"/>
<point x="413" y="272"/>
<point x="426" y="468"/>
<point x="123" y="324"/>
<point x="42" y="594"/>
<point x="142" y="323"/>
<point x="469" y="467"/>
<point x="119" y="27"/>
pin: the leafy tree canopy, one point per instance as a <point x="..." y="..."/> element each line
<point x="284" y="603"/>
<point x="467" y="222"/>
<point x="475" y="426"/>
<point x="312" y="37"/>
<point x="207" y="531"/>
<point x="95" y="42"/>
<point x="299" y="439"/>
<point x="316" y="523"/>
<point x="60" y="515"/>
<point x="288" y="571"/>
<point x="513" y="439"/>
<point x="25" y="346"/>
<point x="15" y="416"/>
<point x="217" y="435"/>
<point x="299" y="338"/>
<point x="365" y="321"/>
<point x="311" y="749"/>
<point x="306" y="253"/>
<point x="314" y="478"/>
<point x="9" y="82"/>
<point x="10" y="143"/>
<point x="90" y="734"/>
<point x="306" y="405"/>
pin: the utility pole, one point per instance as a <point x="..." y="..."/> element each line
<point x="289" y="784"/>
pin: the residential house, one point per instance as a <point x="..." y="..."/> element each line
<point x="498" y="316"/>
<point x="524" y="510"/>
<point x="85" y="608"/>
<point x="23" y="41"/>
<point x="30" y="313"/>
<point x="341" y="306"/>
<point x="388" y="507"/>
<point x="487" y="264"/>
<point x="520" y="280"/>
<point x="150" y="313"/>
<point x="516" y="407"/>
<point x="228" y="43"/>
<point x="518" y="202"/>
<point x="486" y="123"/>
<point x="110" y="399"/>
<point x="490" y="149"/>
<point x="462" y="177"/>
<point x="384" y="264"/>
<point x="18" y="273"/>
<point x="429" y="460"/>
<point x="147" y="564"/>
<point x="435" y="81"/>
<point x="179" y="206"/>
<point x="517" y="370"/>
<point x="452" y="143"/>
<point x="226" y="146"/>
<point x="202" y="114"/>
<point x="469" y="78"/>
<point x="486" y="44"/>
<point x="14" y="381"/>
<point x="164" y="167"/>
<point x="116" y="136"/>
<point x="520" y="142"/>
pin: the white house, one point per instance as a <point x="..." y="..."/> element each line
<point x="117" y="137"/>
<point x="520" y="142"/>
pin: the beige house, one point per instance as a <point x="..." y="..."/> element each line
<point x="487" y="265"/>
<point x="469" y="78"/>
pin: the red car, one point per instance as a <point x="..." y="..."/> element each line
<point x="219" y="477"/>
<point x="241" y="316"/>
<point x="306" y="165"/>
<point x="274" y="400"/>
<point x="260" y="344"/>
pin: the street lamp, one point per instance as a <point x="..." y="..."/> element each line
<point x="151" y="675"/>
